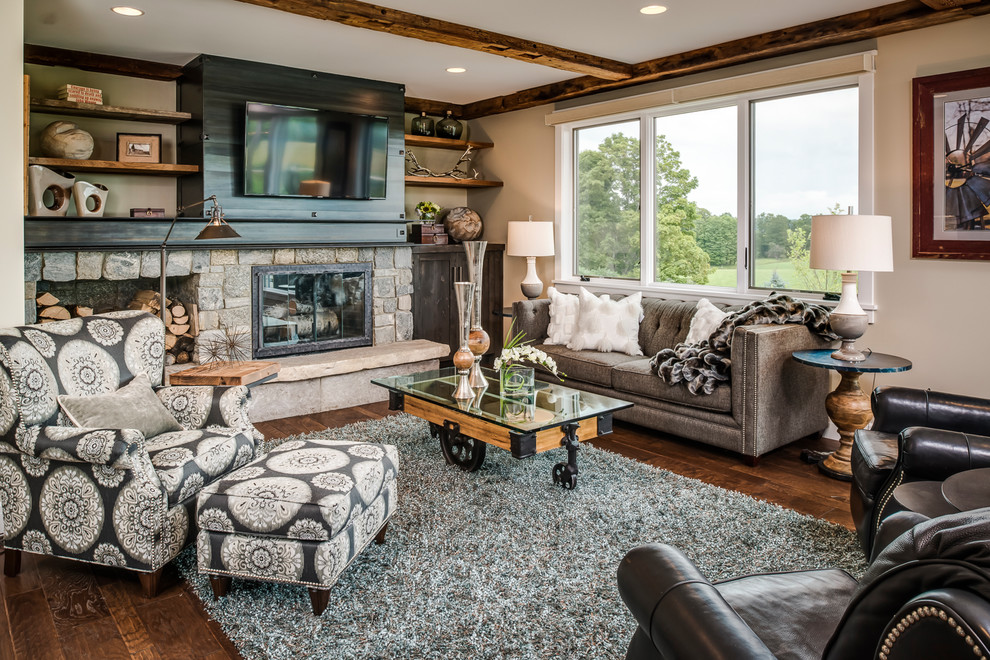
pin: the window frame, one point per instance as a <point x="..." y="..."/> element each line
<point x="566" y="187"/>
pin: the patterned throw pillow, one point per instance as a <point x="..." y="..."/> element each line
<point x="706" y="319"/>
<point x="133" y="406"/>
<point x="608" y="325"/>
<point x="563" y="316"/>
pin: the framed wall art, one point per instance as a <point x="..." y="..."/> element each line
<point x="951" y="169"/>
<point x="139" y="147"/>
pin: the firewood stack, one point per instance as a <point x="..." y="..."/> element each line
<point x="50" y="309"/>
<point x="181" y="325"/>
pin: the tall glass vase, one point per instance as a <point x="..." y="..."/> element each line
<point x="463" y="358"/>
<point x="478" y="339"/>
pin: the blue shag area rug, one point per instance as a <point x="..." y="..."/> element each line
<point x="500" y="563"/>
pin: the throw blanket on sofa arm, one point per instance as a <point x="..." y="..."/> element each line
<point x="703" y="366"/>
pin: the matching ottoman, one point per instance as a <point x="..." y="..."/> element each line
<point x="299" y="514"/>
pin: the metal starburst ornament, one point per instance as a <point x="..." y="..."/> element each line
<point x="230" y="345"/>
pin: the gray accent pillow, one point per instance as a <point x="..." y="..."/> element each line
<point x="133" y="406"/>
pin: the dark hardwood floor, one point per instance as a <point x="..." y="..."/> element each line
<point x="60" y="609"/>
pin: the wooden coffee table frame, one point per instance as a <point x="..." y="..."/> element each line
<point x="464" y="437"/>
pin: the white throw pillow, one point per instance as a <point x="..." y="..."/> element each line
<point x="621" y="326"/>
<point x="589" y="329"/>
<point x="608" y="325"/>
<point x="564" y="309"/>
<point x="705" y="321"/>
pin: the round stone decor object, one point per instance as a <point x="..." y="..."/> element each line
<point x="63" y="139"/>
<point x="461" y="223"/>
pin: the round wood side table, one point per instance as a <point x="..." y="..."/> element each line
<point x="847" y="405"/>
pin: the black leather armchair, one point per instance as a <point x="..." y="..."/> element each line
<point x="917" y="435"/>
<point x="926" y="595"/>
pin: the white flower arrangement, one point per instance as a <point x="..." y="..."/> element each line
<point x="516" y="350"/>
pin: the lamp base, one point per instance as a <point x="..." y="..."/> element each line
<point x="848" y="352"/>
<point x="532" y="286"/>
<point x="849" y="327"/>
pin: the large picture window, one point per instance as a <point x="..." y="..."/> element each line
<point x="715" y="197"/>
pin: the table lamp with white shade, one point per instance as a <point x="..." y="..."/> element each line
<point x="850" y="243"/>
<point x="530" y="239"/>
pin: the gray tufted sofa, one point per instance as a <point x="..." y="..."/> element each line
<point x="769" y="401"/>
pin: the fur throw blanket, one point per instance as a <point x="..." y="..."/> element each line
<point x="703" y="366"/>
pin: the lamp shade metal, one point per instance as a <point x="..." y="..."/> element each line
<point x="217" y="227"/>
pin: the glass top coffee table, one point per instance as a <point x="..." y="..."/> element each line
<point x="553" y="415"/>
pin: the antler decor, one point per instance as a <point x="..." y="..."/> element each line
<point x="415" y="169"/>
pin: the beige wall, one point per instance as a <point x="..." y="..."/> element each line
<point x="523" y="158"/>
<point x="933" y="312"/>
<point x="12" y="166"/>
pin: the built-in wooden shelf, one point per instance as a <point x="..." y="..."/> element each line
<point x="450" y="182"/>
<point x="444" y="143"/>
<point x="57" y="107"/>
<point x="115" y="167"/>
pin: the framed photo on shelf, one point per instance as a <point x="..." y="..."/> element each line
<point x="951" y="166"/>
<point x="139" y="147"/>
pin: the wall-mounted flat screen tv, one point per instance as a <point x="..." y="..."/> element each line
<point x="306" y="152"/>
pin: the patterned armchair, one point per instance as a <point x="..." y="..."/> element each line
<point x="106" y="496"/>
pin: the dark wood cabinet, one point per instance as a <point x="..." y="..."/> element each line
<point x="435" y="269"/>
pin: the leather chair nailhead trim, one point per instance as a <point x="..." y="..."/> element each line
<point x="917" y="615"/>
<point x="878" y="516"/>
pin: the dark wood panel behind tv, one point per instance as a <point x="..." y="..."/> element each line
<point x="215" y="89"/>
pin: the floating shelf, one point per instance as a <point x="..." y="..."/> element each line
<point x="450" y="182"/>
<point x="444" y="143"/>
<point x="57" y="107"/>
<point x="115" y="167"/>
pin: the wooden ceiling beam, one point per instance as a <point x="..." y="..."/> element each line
<point x="948" y="4"/>
<point x="857" y="26"/>
<point x="438" y="108"/>
<point x="101" y="63"/>
<point x="405" y="24"/>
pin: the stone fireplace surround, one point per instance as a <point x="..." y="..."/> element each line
<point x="219" y="282"/>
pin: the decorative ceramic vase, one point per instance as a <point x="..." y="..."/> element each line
<point x="63" y="139"/>
<point x="90" y="195"/>
<point x="448" y="127"/>
<point x="463" y="358"/>
<point x="422" y="125"/>
<point x="461" y="223"/>
<point x="478" y="339"/>
<point x="49" y="191"/>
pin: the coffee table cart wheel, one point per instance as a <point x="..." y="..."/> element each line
<point x="565" y="475"/>
<point x="460" y="450"/>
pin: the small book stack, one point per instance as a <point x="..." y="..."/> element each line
<point x="428" y="234"/>
<point x="80" y="94"/>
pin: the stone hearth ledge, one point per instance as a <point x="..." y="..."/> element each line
<point x="318" y="382"/>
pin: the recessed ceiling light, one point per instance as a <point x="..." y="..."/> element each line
<point x="127" y="11"/>
<point x="456" y="69"/>
<point x="653" y="9"/>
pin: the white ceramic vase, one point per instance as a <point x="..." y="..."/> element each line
<point x="49" y="191"/>
<point x="90" y="195"/>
